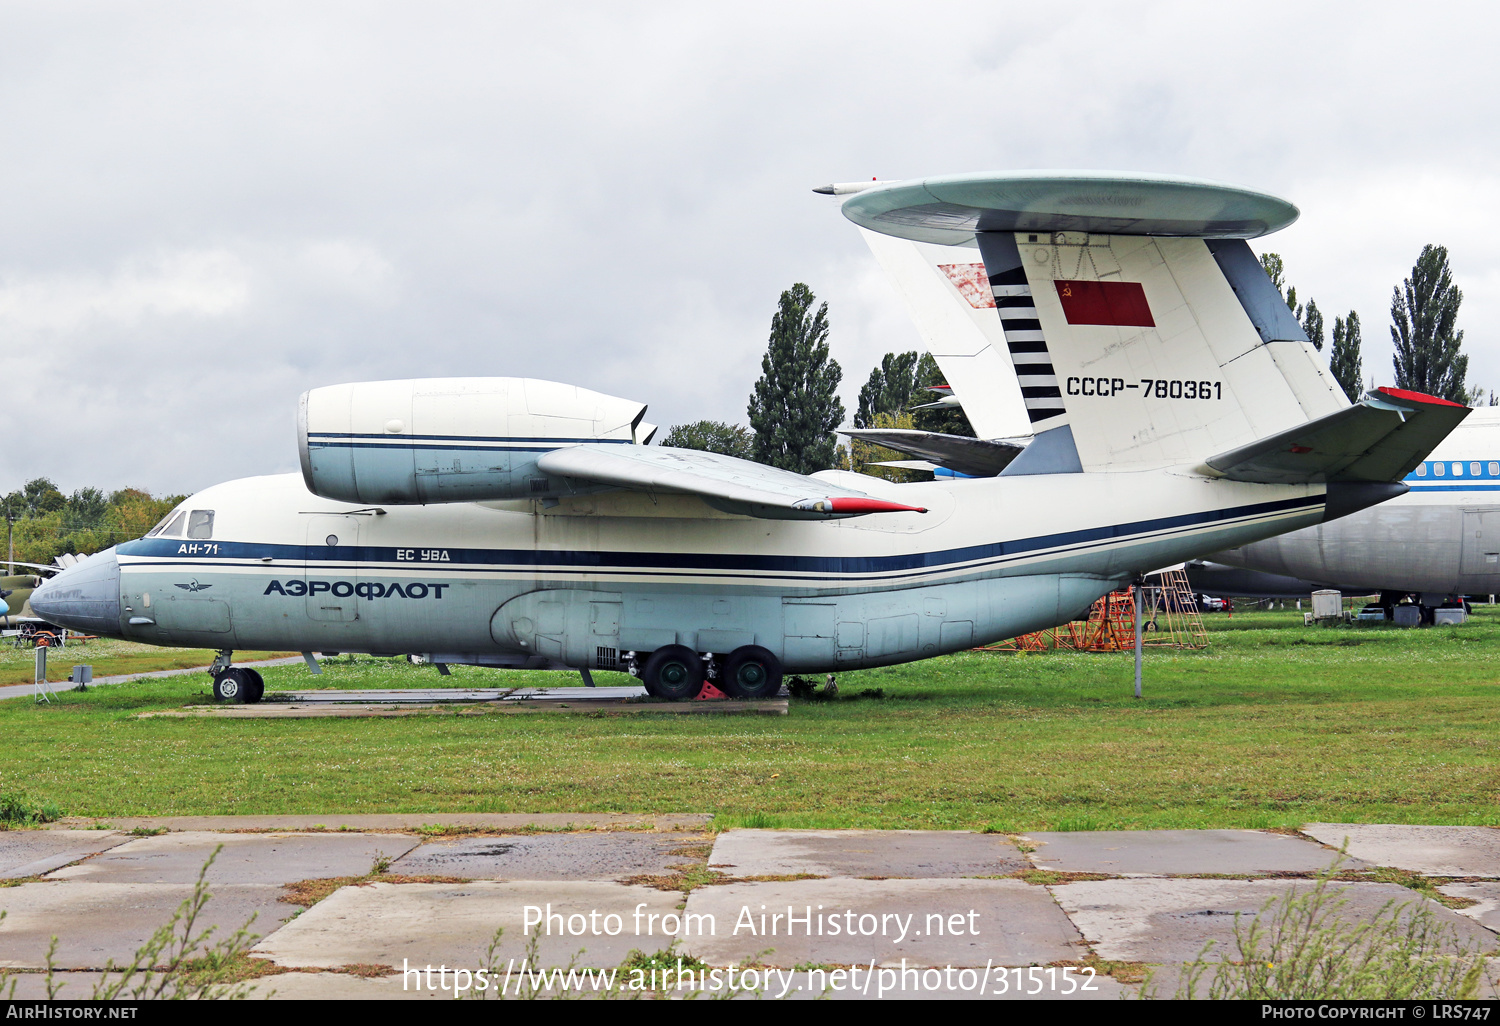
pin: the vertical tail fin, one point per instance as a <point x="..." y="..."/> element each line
<point x="1141" y="329"/>
<point x="948" y="296"/>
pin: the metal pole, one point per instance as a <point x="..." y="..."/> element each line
<point x="1137" y="591"/>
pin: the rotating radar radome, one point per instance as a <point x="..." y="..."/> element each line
<point x="950" y="209"/>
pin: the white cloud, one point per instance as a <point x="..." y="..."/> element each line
<point x="191" y="284"/>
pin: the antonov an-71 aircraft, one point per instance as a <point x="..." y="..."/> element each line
<point x="514" y="522"/>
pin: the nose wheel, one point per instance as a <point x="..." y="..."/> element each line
<point x="239" y="684"/>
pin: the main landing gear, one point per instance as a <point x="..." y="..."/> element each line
<point x="235" y="683"/>
<point x="678" y="674"/>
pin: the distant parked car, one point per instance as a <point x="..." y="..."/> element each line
<point x="1212" y="603"/>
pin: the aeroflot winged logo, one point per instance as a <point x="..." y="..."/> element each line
<point x="195" y="586"/>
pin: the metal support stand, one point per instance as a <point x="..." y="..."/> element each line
<point x="588" y="678"/>
<point x="1136" y="587"/>
<point x="43" y="691"/>
<point x="312" y="663"/>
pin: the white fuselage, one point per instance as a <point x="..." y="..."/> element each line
<point x="593" y="577"/>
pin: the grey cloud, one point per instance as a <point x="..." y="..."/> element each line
<point x="206" y="209"/>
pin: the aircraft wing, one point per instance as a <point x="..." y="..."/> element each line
<point x="726" y="483"/>
<point x="50" y="567"/>
<point x="1381" y="439"/>
<point x="974" y="456"/>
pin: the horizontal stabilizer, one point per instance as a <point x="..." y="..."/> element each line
<point x="724" y="482"/>
<point x="974" y="456"/>
<point x="1380" y="439"/>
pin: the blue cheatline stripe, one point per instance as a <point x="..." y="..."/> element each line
<point x="444" y="447"/>
<point x="607" y="561"/>
<point x="463" y="438"/>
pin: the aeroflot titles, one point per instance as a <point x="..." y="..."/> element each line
<point x="362" y="589"/>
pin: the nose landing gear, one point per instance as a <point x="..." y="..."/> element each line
<point x="235" y="683"/>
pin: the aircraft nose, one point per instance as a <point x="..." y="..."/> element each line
<point x="85" y="597"/>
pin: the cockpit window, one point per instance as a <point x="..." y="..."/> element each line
<point x="201" y="524"/>
<point x="170" y="525"/>
<point x="161" y="525"/>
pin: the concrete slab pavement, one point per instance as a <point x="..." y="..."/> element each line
<point x="917" y="854"/>
<point x="883" y="887"/>
<point x="274" y="859"/>
<point x="1160" y="921"/>
<point x="1430" y="850"/>
<point x="1486" y="910"/>
<point x="590" y="856"/>
<point x="928" y="922"/>
<point x="34" y="852"/>
<point x="97" y="922"/>
<point x="354" y="708"/>
<point x="1180" y="852"/>
<point x="453" y="924"/>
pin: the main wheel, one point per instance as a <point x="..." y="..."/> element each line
<point x="255" y="685"/>
<point x="231" y="686"/>
<point x="674" y="673"/>
<point x="751" y="672"/>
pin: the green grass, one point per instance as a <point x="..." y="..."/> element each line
<point x="1275" y="725"/>
<point x="108" y="657"/>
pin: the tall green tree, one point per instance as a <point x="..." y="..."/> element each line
<point x="1276" y="271"/>
<point x="86" y="508"/>
<point x="1312" y="323"/>
<point x="948" y="420"/>
<point x="1309" y="316"/>
<point x="1424" y="312"/>
<point x="35" y="498"/>
<point x="795" y="406"/>
<point x="889" y="389"/>
<point x="1345" y="360"/>
<point x="712" y="436"/>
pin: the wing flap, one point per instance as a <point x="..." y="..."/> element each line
<point x="1380" y="439"/>
<point x="725" y="482"/>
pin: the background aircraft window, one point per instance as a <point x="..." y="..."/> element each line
<point x="201" y="524"/>
<point x="1458" y="470"/>
<point x="1494" y="469"/>
<point x="1422" y="470"/>
<point x="1437" y="468"/>
<point x="1474" y="469"/>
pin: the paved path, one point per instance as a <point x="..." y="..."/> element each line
<point x="841" y="913"/>
<point x="24" y="690"/>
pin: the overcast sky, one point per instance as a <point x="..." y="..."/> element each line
<point x="206" y="209"/>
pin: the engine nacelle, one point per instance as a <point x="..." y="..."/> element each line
<point x="450" y="439"/>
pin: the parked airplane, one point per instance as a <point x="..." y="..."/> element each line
<point x="1438" y="542"/>
<point x="514" y="522"/>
